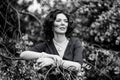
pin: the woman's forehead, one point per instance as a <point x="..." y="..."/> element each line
<point x="61" y="15"/>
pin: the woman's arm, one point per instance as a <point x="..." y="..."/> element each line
<point x="35" y="55"/>
<point x="71" y="65"/>
<point x="31" y="55"/>
<point x="64" y="63"/>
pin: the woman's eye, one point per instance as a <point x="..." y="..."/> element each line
<point x="58" y="20"/>
<point x="66" y="20"/>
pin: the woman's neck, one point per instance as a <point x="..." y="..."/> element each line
<point x="59" y="38"/>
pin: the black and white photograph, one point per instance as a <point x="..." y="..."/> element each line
<point x="59" y="39"/>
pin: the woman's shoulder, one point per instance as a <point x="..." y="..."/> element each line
<point x="40" y="43"/>
<point x="74" y="39"/>
<point x="39" y="46"/>
<point x="44" y="43"/>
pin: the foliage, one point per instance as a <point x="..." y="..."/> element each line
<point x="101" y="64"/>
<point x="97" y="25"/>
<point x="99" y="22"/>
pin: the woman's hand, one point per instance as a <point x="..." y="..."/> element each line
<point x="57" y="59"/>
<point x="71" y="65"/>
<point x="43" y="62"/>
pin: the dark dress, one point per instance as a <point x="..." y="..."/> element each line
<point x="73" y="50"/>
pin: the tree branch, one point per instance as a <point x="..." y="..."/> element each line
<point x="6" y="20"/>
<point x="9" y="53"/>
<point x="10" y="58"/>
<point x="31" y="14"/>
<point x="18" y="16"/>
<point x="98" y="69"/>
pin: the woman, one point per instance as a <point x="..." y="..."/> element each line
<point x="59" y="48"/>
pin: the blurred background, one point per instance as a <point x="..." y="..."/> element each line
<point x="97" y="24"/>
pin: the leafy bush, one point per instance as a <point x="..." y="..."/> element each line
<point x="98" y="22"/>
<point x="101" y="64"/>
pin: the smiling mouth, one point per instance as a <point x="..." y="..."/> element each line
<point x="62" y="28"/>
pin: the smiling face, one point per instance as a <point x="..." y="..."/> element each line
<point x="60" y="24"/>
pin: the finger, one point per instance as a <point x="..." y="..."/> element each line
<point x="55" y="58"/>
<point x="41" y="65"/>
<point x="46" y="64"/>
<point x="58" y="58"/>
<point x="40" y="60"/>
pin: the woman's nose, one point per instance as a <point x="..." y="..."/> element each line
<point x="62" y="23"/>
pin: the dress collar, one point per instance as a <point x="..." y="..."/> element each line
<point x="53" y="49"/>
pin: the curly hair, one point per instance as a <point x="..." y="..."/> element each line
<point x="49" y="23"/>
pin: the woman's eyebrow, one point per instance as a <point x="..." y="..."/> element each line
<point x="61" y="18"/>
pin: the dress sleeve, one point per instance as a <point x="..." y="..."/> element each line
<point x="78" y="49"/>
<point x="38" y="48"/>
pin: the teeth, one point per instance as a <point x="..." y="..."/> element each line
<point x="62" y="28"/>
